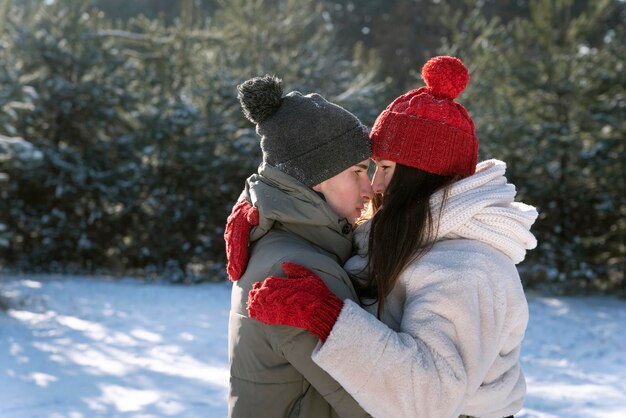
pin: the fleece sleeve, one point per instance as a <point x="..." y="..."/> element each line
<point x="447" y="340"/>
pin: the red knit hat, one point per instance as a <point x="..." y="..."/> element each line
<point x="426" y="128"/>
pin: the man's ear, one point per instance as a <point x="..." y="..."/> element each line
<point x="317" y="188"/>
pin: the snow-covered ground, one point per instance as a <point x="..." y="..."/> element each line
<point x="82" y="347"/>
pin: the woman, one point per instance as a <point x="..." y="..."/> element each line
<point x="440" y="264"/>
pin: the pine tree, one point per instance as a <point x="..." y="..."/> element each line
<point x="296" y="41"/>
<point x="144" y="145"/>
<point x="548" y="94"/>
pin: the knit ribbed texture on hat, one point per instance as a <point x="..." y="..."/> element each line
<point x="305" y="136"/>
<point x="425" y="128"/>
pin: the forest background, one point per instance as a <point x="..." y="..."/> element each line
<point x="123" y="146"/>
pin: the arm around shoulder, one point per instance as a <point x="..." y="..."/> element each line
<point x="296" y="346"/>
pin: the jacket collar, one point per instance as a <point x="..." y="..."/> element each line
<point x="285" y="203"/>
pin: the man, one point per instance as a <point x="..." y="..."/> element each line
<point x="299" y="208"/>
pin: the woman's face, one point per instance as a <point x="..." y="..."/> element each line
<point x="382" y="175"/>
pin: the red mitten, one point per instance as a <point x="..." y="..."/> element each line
<point x="304" y="302"/>
<point x="237" y="236"/>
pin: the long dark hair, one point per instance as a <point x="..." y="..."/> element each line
<point x="402" y="228"/>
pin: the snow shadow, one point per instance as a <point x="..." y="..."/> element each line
<point x="573" y="357"/>
<point x="82" y="348"/>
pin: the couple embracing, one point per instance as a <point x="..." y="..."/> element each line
<point x="397" y="297"/>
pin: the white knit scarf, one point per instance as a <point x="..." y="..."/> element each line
<point x="479" y="207"/>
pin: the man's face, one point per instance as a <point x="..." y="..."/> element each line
<point x="347" y="192"/>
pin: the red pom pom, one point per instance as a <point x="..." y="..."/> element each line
<point x="445" y="76"/>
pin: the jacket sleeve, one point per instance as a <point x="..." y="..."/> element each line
<point x="447" y="340"/>
<point x="297" y="345"/>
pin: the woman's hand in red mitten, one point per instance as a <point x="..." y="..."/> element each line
<point x="237" y="236"/>
<point x="299" y="300"/>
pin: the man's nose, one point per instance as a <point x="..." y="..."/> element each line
<point x="366" y="191"/>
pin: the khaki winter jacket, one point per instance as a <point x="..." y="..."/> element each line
<point x="272" y="373"/>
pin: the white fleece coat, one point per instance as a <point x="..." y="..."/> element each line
<point x="449" y="342"/>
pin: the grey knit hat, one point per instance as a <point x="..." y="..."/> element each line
<point x="306" y="137"/>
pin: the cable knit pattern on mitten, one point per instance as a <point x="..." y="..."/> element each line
<point x="237" y="236"/>
<point x="303" y="303"/>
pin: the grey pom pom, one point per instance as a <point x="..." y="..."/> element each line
<point x="260" y="97"/>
